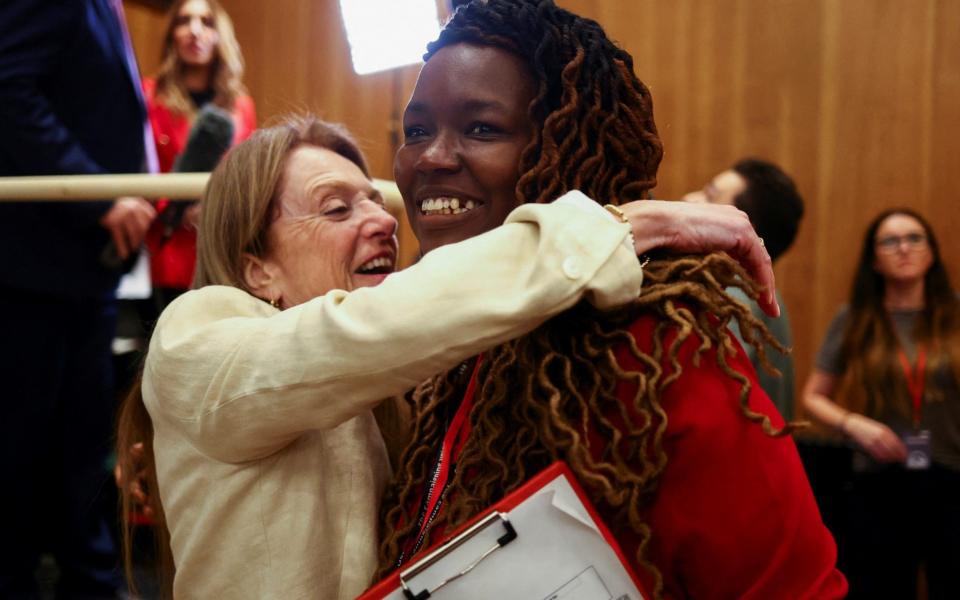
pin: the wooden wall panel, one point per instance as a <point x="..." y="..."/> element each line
<point x="858" y="99"/>
<point x="146" y="23"/>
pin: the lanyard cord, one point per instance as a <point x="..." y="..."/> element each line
<point x="445" y="466"/>
<point x="915" y="379"/>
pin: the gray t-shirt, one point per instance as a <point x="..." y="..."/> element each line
<point x="779" y="388"/>
<point x="941" y="406"/>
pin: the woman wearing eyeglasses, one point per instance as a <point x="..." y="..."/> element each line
<point x="888" y="378"/>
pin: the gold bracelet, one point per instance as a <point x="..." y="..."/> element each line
<point x="615" y="211"/>
<point x="618" y="213"/>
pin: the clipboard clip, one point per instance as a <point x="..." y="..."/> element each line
<point x="431" y="559"/>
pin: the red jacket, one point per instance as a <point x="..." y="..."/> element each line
<point x="172" y="261"/>
<point x="734" y="515"/>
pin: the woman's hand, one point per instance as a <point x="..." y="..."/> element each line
<point x="135" y="485"/>
<point x="699" y="228"/>
<point x="878" y="440"/>
<point x="191" y="216"/>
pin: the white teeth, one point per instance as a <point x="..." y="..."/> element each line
<point x="376" y="263"/>
<point x="446" y="206"/>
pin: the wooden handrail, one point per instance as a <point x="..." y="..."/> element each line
<point x="175" y="186"/>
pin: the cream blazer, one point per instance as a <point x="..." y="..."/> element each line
<point x="269" y="461"/>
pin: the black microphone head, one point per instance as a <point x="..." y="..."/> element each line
<point x="209" y="139"/>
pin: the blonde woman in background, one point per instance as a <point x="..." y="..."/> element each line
<point x="201" y="65"/>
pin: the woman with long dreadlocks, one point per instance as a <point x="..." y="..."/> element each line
<point x="655" y="407"/>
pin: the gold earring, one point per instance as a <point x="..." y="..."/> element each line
<point x="275" y="303"/>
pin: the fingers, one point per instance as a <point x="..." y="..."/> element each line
<point x="752" y="255"/>
<point x="138" y="222"/>
<point x="128" y="221"/>
<point x="129" y="227"/>
<point x="758" y="263"/>
<point x="885" y="446"/>
<point x="898" y="450"/>
<point x="136" y="490"/>
<point x="136" y="487"/>
<point x="192" y="215"/>
<point x="140" y="497"/>
<point x="879" y="450"/>
<point x="704" y="228"/>
<point x="120" y="241"/>
<point x="887" y="454"/>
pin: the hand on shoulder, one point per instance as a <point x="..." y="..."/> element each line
<point x="704" y="228"/>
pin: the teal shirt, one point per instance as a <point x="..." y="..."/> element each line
<point x="780" y="389"/>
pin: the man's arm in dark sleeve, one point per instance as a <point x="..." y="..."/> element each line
<point x="34" y="140"/>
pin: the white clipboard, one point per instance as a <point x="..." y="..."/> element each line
<point x="542" y="542"/>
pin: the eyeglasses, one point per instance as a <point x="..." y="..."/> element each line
<point x="891" y="244"/>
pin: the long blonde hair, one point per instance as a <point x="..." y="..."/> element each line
<point x="237" y="212"/>
<point x="227" y="68"/>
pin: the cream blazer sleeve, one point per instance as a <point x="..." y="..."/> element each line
<point x="241" y="380"/>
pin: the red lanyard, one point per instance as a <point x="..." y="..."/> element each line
<point x="915" y="379"/>
<point x="453" y="443"/>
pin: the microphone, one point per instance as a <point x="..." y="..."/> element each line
<point x="209" y="140"/>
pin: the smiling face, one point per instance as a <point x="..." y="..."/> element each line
<point x="195" y="34"/>
<point x="902" y="252"/>
<point x="722" y="189"/>
<point x="464" y="130"/>
<point x="331" y="231"/>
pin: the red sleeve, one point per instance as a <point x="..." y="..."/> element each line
<point x="170" y="130"/>
<point x="172" y="260"/>
<point x="734" y="515"/>
<point x="245" y="118"/>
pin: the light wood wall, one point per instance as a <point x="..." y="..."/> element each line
<point x="858" y="99"/>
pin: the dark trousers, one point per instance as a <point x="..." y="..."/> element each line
<point x="58" y="406"/>
<point x="899" y="520"/>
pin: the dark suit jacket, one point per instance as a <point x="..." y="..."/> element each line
<point x="69" y="104"/>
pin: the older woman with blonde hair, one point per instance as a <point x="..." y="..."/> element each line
<point x="258" y="387"/>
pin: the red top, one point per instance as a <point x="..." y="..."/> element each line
<point x="172" y="262"/>
<point x="734" y="515"/>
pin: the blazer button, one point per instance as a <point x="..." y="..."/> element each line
<point x="572" y="267"/>
<point x="163" y="140"/>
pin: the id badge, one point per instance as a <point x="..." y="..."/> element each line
<point x="918" y="450"/>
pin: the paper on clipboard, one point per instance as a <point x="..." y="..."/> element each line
<point x="559" y="553"/>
